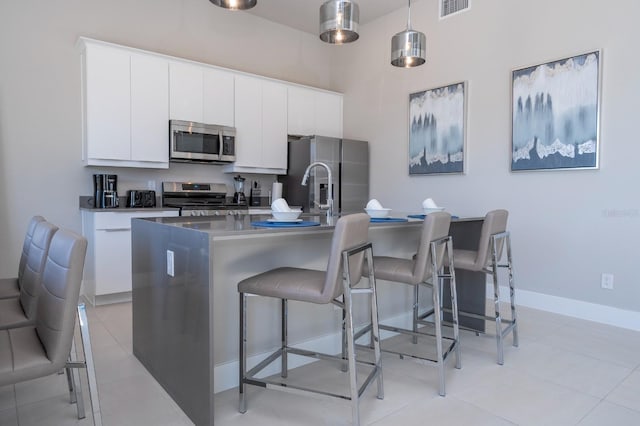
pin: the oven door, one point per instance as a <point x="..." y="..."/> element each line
<point x="194" y="141"/>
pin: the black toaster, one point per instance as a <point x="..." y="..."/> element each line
<point x="141" y="198"/>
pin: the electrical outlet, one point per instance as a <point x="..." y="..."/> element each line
<point x="607" y="281"/>
<point x="170" y="269"/>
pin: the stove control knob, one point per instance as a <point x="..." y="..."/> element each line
<point x="194" y="213"/>
<point x="217" y="213"/>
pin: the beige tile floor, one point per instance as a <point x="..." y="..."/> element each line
<point x="565" y="372"/>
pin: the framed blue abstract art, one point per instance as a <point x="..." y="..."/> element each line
<point x="555" y="114"/>
<point x="437" y="130"/>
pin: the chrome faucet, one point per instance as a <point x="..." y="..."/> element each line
<point x="305" y="178"/>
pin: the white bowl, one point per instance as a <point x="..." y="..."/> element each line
<point x="378" y="213"/>
<point x="433" y="210"/>
<point x="292" y="215"/>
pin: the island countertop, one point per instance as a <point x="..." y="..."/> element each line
<point x="233" y="226"/>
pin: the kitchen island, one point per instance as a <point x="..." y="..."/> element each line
<point x="185" y="300"/>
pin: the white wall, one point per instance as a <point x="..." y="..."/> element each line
<point x="568" y="226"/>
<point x="40" y="110"/>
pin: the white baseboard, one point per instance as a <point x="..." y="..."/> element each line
<point x="572" y="308"/>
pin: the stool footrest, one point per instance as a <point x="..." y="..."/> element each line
<point x="287" y="387"/>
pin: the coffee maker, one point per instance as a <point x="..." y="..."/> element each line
<point x="238" y="196"/>
<point x="105" y="191"/>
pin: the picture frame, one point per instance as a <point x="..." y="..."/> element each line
<point x="438" y="130"/>
<point x="555" y="114"/>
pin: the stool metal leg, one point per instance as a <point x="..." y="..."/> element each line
<point x="496" y="301"/>
<point x="416" y="305"/>
<point x="348" y="308"/>
<point x="437" y="314"/>
<point x="375" y="328"/>
<point x="91" y="371"/>
<point x="285" y="338"/>
<point x="242" y="403"/>
<point x="512" y="292"/>
<point x="454" y="303"/>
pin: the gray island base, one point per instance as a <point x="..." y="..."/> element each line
<point x="185" y="300"/>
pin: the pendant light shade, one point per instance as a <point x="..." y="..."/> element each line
<point x="235" y="4"/>
<point x="408" y="48"/>
<point x="339" y="21"/>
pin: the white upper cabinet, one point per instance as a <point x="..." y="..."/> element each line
<point x="129" y="96"/>
<point x="314" y="112"/>
<point x="185" y="92"/>
<point x="149" y="109"/>
<point x="274" y="125"/>
<point x="261" y="126"/>
<point x="201" y="94"/>
<point x="107" y="115"/>
<point x="218" y="102"/>
<point x="125" y="107"/>
<point x="328" y="114"/>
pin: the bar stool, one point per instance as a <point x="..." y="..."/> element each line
<point x="344" y="270"/>
<point x="486" y="258"/>
<point x="425" y="269"/>
<point x="10" y="287"/>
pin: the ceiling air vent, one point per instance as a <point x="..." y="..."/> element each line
<point x="451" y="7"/>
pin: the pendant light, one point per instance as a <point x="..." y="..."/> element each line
<point x="235" y="4"/>
<point x="408" y="48"/>
<point x="339" y="21"/>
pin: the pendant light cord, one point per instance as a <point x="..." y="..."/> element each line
<point x="409" y="17"/>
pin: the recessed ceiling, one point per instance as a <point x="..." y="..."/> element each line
<point x="304" y="14"/>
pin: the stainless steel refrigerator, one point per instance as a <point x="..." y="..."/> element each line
<point x="349" y="163"/>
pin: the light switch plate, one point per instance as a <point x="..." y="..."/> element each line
<point x="170" y="269"/>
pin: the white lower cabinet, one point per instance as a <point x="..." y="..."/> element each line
<point x="107" y="272"/>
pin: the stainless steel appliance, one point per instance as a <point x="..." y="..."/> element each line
<point x="201" y="143"/>
<point x="141" y="198"/>
<point x="349" y="163"/>
<point x="238" y="195"/>
<point x="200" y="199"/>
<point x="105" y="191"/>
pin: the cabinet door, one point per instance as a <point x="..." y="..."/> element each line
<point x="301" y="111"/>
<point x="149" y="109"/>
<point x="185" y="92"/>
<point x="112" y="261"/>
<point x="274" y="125"/>
<point x="108" y="110"/>
<point x="328" y="114"/>
<point x="218" y="102"/>
<point x="248" y="112"/>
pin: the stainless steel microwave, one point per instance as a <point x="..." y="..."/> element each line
<point x="201" y="143"/>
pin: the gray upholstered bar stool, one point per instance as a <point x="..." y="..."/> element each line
<point x="349" y="246"/>
<point x="10" y="287"/>
<point x="486" y="258"/>
<point x="426" y="269"/>
<point x="21" y="311"/>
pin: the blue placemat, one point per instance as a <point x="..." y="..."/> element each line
<point x="422" y="216"/>
<point x="387" y="219"/>
<point x="266" y="224"/>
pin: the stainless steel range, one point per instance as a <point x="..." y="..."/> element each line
<point x="200" y="199"/>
